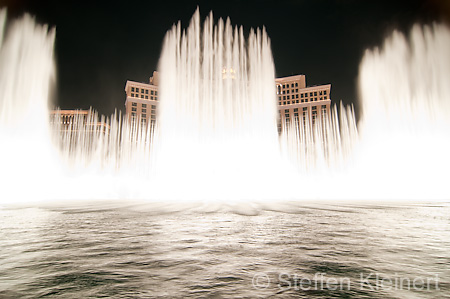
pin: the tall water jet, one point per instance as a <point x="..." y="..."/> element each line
<point x="405" y="124"/>
<point x="26" y="74"/>
<point x="217" y="118"/>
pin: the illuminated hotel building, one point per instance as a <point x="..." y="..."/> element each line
<point x="74" y="120"/>
<point x="297" y="102"/>
<point x="142" y="100"/>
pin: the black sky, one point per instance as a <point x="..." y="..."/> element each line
<point x="101" y="44"/>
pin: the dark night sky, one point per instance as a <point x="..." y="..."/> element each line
<point x="101" y="44"/>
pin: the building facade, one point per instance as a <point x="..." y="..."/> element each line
<point x="295" y="101"/>
<point x="142" y="100"/>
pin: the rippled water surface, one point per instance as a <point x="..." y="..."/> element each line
<point x="253" y="250"/>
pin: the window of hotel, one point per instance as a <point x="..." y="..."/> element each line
<point x="156" y="93"/>
<point x="314" y="107"/>
<point x="134" y="104"/>
<point x="151" y="92"/>
<point x="142" y="96"/>
<point x="320" y="93"/>
<point x="153" y="106"/>
<point x="315" y="93"/>
<point x="133" y="108"/>
<point x="284" y="97"/>
<point x="287" y="115"/>
<point x="310" y="94"/>
<point x="146" y="97"/>
<point x="133" y="113"/>
<point x="303" y="101"/>
<point x="301" y="95"/>
<point x="306" y="100"/>
<point x="151" y="97"/>
<point x="305" y="108"/>
<point x="324" y="107"/>
<point x="296" y="101"/>
<point x="325" y="97"/>
<point x="144" y="105"/>
<point x="146" y="91"/>
<point x="144" y="110"/>
<point x="320" y="99"/>
<point x="142" y="90"/>
<point x="153" y="116"/>
<point x="132" y="88"/>
<point x="132" y="94"/>
<point x="286" y="110"/>
<point x="288" y="102"/>
<point x="144" y="115"/>
<point x="279" y="98"/>
<point x="288" y="97"/>
<point x="278" y="89"/>
<point x="315" y="99"/>
<point x="296" y="114"/>
<point x="295" y="109"/>
<point x="296" y="96"/>
<point x="314" y="112"/>
<point x="287" y="91"/>
<point x="324" y="92"/>
<point x="296" y="90"/>
<point x="296" y="84"/>
<point x="279" y="102"/>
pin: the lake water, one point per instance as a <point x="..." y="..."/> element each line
<point x="136" y="250"/>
